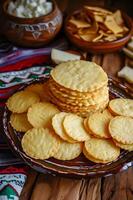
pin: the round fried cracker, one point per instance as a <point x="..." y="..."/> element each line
<point x="77" y="107"/>
<point x="74" y="94"/>
<point x="82" y="102"/>
<point x="82" y="76"/>
<point x="122" y="107"/>
<point x="98" y="124"/>
<point x="40" y="89"/>
<point x="102" y="149"/>
<point x="128" y="147"/>
<point x="91" y="158"/>
<point x="121" y="129"/>
<point x="86" y="125"/>
<point x="20" y="122"/>
<point x="40" y="114"/>
<point x="57" y="123"/>
<point x="21" y="101"/>
<point x="40" y="143"/>
<point x="74" y="128"/>
<point x="87" y="112"/>
<point x="68" y="151"/>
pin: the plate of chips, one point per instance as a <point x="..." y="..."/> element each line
<point x="96" y="29"/>
<point x="90" y="140"/>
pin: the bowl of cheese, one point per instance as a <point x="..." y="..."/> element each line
<point x="31" y="23"/>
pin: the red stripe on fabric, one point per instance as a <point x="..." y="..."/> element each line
<point x="4" y="90"/>
<point x="25" y="63"/>
<point x="9" y="170"/>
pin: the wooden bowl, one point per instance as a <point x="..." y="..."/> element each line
<point x="32" y="32"/>
<point x="100" y="47"/>
<point x="79" y="167"/>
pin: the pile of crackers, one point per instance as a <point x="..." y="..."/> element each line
<point x="95" y="24"/>
<point x="79" y="87"/>
<point x="49" y="132"/>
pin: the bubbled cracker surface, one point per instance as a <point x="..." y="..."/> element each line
<point x="121" y="129"/>
<point x="20" y="122"/>
<point x="68" y="151"/>
<point x="74" y="127"/>
<point x="121" y="106"/>
<point x="98" y="124"/>
<point x="40" y="143"/>
<point x="57" y="123"/>
<point x="40" y="114"/>
<point x="102" y="149"/>
<point x="128" y="147"/>
<point x="21" y="101"/>
<point x="82" y="76"/>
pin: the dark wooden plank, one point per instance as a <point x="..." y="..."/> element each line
<point x="119" y="186"/>
<point x="56" y="188"/>
<point x="130" y="183"/>
<point x="91" y="189"/>
<point x="98" y="59"/>
<point x="113" y="62"/>
<point x="29" y="185"/>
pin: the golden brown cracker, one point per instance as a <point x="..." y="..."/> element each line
<point x="121" y="129"/>
<point x="21" y="101"/>
<point x="40" y="114"/>
<point x="20" y="122"/>
<point x="40" y="143"/>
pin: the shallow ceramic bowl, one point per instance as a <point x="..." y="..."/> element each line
<point x="100" y="47"/>
<point x="32" y="32"/>
<point x="79" y="167"/>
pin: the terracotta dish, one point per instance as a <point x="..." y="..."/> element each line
<point x="32" y="32"/>
<point x="99" y="47"/>
<point x="79" y="167"/>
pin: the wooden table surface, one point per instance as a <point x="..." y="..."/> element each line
<point x="116" y="187"/>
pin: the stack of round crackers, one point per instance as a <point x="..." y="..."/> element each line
<point x="79" y="87"/>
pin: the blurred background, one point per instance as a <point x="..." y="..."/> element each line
<point x="70" y="5"/>
<point x="67" y="6"/>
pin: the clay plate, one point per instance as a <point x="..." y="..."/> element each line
<point x="79" y="167"/>
<point x="99" y="47"/>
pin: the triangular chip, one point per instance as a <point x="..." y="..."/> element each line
<point x="110" y="38"/>
<point x="87" y="37"/>
<point x="112" y="25"/>
<point x="99" y="18"/>
<point x="118" y="17"/>
<point x="98" y="37"/>
<point x="98" y="9"/>
<point x="80" y="23"/>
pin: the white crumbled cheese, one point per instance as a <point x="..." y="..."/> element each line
<point x="59" y="56"/>
<point x="48" y="7"/>
<point x="11" y="8"/>
<point x="33" y="4"/>
<point x="19" y="11"/>
<point x="30" y="8"/>
<point x="126" y="73"/>
<point x="42" y="1"/>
